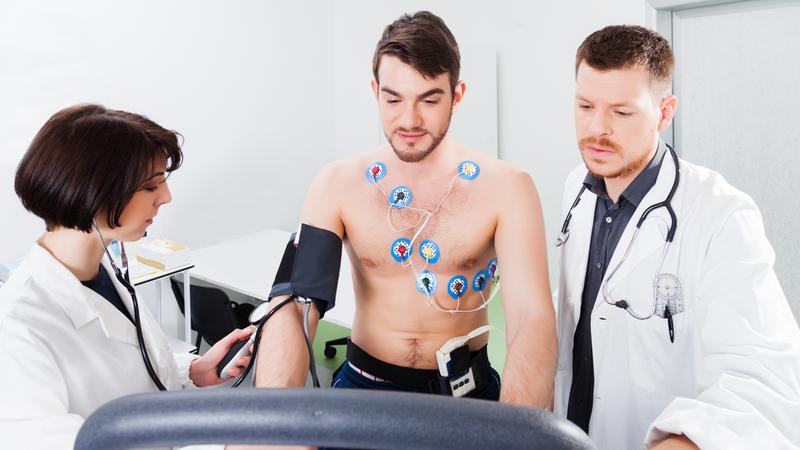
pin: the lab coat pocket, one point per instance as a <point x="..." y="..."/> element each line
<point x="657" y="330"/>
<point x="633" y="282"/>
<point x="662" y="364"/>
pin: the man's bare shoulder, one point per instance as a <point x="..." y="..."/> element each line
<point x="344" y="173"/>
<point x="499" y="174"/>
<point x="332" y="189"/>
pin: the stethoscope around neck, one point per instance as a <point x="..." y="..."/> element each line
<point x="666" y="287"/>
<point x="137" y="321"/>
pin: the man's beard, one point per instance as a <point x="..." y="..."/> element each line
<point x="411" y="155"/>
<point x="626" y="170"/>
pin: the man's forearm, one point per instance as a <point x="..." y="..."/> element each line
<point x="529" y="371"/>
<point x="282" y="356"/>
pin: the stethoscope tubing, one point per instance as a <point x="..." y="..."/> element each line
<point x="673" y="225"/>
<point x="137" y="320"/>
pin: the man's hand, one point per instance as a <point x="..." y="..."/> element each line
<point x="203" y="371"/>
<point x="676" y="442"/>
<point x="263" y="447"/>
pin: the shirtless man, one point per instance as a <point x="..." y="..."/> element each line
<point x="492" y="211"/>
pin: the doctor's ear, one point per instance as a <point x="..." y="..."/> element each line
<point x="668" y="106"/>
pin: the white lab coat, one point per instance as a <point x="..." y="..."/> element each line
<point x="731" y="379"/>
<point x="65" y="351"/>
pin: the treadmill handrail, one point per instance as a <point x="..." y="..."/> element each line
<point x="345" y="418"/>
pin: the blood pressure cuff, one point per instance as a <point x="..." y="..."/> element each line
<point x="310" y="269"/>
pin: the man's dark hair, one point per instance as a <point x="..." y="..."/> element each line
<point x="88" y="159"/>
<point x="626" y="46"/>
<point x="423" y="41"/>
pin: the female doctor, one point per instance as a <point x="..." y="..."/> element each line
<point x="68" y="343"/>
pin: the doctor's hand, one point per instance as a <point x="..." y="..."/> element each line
<point x="676" y="442"/>
<point x="203" y="371"/>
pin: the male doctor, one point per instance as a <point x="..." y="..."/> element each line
<point x="685" y="345"/>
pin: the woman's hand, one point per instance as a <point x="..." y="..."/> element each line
<point x="203" y="371"/>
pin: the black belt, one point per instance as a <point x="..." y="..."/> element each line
<point x="418" y="378"/>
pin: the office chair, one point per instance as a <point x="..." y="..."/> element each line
<point x="214" y="315"/>
<point x="330" y="349"/>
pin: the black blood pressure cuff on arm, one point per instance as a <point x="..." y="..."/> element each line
<point x="310" y="269"/>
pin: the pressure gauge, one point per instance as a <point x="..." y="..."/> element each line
<point x="259" y="312"/>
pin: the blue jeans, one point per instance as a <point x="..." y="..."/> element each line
<point x="346" y="377"/>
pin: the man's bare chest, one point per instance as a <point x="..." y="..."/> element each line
<point x="453" y="232"/>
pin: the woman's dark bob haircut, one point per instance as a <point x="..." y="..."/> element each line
<point x="88" y="160"/>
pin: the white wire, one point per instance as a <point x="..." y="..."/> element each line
<point x="484" y="304"/>
<point x="422" y="223"/>
<point x="426" y="215"/>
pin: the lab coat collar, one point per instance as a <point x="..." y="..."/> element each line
<point x="650" y="239"/>
<point x="577" y="247"/>
<point x="81" y="304"/>
<point x="115" y="324"/>
<point x="119" y="328"/>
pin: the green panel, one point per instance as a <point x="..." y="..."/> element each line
<point x="327" y="331"/>
<point x="497" y="339"/>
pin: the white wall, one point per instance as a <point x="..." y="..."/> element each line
<point x="265" y="92"/>
<point x="247" y="83"/>
<point x="758" y="142"/>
